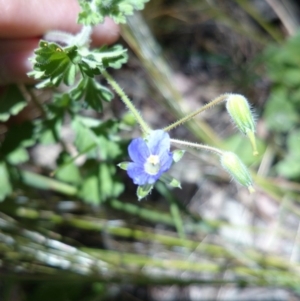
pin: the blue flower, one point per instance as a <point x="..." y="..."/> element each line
<point x="151" y="158"/>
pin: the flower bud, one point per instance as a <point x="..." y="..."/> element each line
<point x="240" y="112"/>
<point x="143" y="191"/>
<point x="123" y="165"/>
<point x="236" y="168"/>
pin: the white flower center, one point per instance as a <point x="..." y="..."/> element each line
<point x="152" y="165"/>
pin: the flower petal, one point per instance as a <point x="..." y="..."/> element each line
<point x="138" y="151"/>
<point x="158" y="142"/>
<point x="166" y="160"/>
<point x="137" y="173"/>
<point x="153" y="178"/>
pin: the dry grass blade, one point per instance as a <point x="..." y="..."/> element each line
<point x="288" y="13"/>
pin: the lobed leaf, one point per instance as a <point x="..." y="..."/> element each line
<point x="94" y="12"/>
<point x="67" y="170"/>
<point x="55" y="64"/>
<point x="90" y="132"/>
<point x="99" y="182"/>
<point x="92" y="93"/>
<point x="104" y="57"/>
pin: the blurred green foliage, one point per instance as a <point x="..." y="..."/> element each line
<point x="282" y="111"/>
<point x="65" y="233"/>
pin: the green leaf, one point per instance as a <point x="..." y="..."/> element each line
<point x="18" y="136"/>
<point x="115" y="9"/>
<point x="55" y="64"/>
<point x="239" y="145"/>
<point x="285" y="56"/>
<point x="291" y="76"/>
<point x="92" y="93"/>
<point x="143" y="191"/>
<point x="108" y="139"/>
<point x="95" y="60"/>
<point x="48" y="131"/>
<point x="62" y="101"/>
<point x="91" y="132"/>
<point x="295" y="96"/>
<point x="87" y="15"/>
<point x="293" y="143"/>
<point x="85" y="138"/>
<point x="99" y="182"/>
<point x="11" y="102"/>
<point x="113" y="57"/>
<point x="289" y="167"/>
<point x="5" y="185"/>
<point x="67" y="171"/>
<point x="280" y="113"/>
<point x="18" y="156"/>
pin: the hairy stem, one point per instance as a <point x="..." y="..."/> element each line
<point x="83" y="38"/>
<point x="197" y="146"/>
<point x="144" y="126"/>
<point x="193" y="114"/>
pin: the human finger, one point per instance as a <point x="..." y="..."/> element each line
<point x="32" y="18"/>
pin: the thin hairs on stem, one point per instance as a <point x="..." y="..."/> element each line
<point x="198" y="146"/>
<point x="192" y="115"/>
<point x="144" y="126"/>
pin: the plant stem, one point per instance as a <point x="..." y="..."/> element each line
<point x="42" y="182"/>
<point x="198" y="146"/>
<point x="72" y="159"/>
<point x="174" y="209"/>
<point x="144" y="126"/>
<point x="83" y="38"/>
<point x="26" y="91"/>
<point x="192" y="115"/>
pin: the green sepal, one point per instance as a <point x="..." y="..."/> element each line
<point x="143" y="191"/>
<point x="177" y="155"/>
<point x="175" y="183"/>
<point x="167" y="179"/>
<point x="123" y="165"/>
